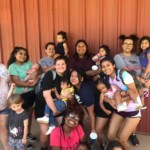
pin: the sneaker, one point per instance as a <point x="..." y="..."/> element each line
<point x="31" y="138"/>
<point x="43" y="120"/>
<point x="50" y="130"/>
<point x="122" y="107"/>
<point x="29" y="147"/>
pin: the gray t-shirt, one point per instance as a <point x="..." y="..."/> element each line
<point x="131" y="62"/>
<point x="46" y="62"/>
<point x="16" y="124"/>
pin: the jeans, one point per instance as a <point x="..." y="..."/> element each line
<point x="60" y="106"/>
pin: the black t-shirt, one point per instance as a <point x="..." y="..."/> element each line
<point x="16" y="124"/>
<point x="47" y="84"/>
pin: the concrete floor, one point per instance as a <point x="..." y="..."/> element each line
<point x="144" y="140"/>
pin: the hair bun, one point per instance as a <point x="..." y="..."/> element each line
<point x="122" y="37"/>
<point x="134" y="37"/>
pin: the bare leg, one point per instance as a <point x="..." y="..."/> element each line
<point x="127" y="129"/>
<point x="116" y="122"/>
<point x="100" y="124"/>
<point x="43" y="136"/>
<point x="3" y="131"/>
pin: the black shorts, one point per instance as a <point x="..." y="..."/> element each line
<point x="100" y="113"/>
<point x="29" y="99"/>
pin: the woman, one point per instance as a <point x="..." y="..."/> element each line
<point x="70" y="133"/>
<point x="129" y="61"/>
<point x="127" y="120"/>
<point x="45" y="95"/>
<point x="82" y="59"/>
<point x="84" y="93"/>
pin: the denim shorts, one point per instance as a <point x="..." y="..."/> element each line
<point x="4" y="111"/>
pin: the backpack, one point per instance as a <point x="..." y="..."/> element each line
<point x="138" y="84"/>
<point x="38" y="86"/>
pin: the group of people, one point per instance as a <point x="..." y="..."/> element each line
<point x="74" y="97"/>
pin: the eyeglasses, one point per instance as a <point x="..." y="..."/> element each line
<point x="72" y="116"/>
<point x="127" y="44"/>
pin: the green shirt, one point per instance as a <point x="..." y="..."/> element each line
<point x="21" y="72"/>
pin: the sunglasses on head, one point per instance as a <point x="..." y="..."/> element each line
<point x="72" y="116"/>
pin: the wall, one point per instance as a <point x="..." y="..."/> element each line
<point x="32" y="23"/>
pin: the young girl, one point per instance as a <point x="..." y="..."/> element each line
<point x="145" y="58"/>
<point x="17" y="123"/>
<point x="62" y="47"/>
<point x="103" y="52"/>
<point x="70" y="133"/>
<point x="60" y="103"/>
<point x="112" y="92"/>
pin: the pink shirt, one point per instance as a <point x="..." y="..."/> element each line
<point x="59" y="139"/>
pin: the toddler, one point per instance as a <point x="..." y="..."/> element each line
<point x="61" y="47"/>
<point x="112" y="92"/>
<point x="17" y="123"/>
<point x="103" y="52"/>
<point x="60" y="103"/>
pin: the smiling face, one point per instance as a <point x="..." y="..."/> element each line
<point x="72" y="120"/>
<point x="50" y="51"/>
<point x="144" y="44"/>
<point x="127" y="46"/>
<point x="75" y="79"/>
<point x="60" y="66"/>
<point x="81" y="49"/>
<point x="21" y="56"/>
<point x="107" y="67"/>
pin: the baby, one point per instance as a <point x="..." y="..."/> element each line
<point x="32" y="73"/>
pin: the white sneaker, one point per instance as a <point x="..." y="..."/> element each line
<point x="43" y="119"/>
<point x="50" y="130"/>
<point x="121" y="107"/>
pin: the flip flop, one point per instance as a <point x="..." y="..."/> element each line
<point x="134" y="140"/>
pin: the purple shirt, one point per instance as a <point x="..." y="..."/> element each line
<point x="82" y="63"/>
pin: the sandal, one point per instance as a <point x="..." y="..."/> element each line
<point x="134" y="140"/>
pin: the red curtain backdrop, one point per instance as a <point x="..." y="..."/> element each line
<point x="32" y="23"/>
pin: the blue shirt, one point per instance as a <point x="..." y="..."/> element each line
<point x="143" y="58"/>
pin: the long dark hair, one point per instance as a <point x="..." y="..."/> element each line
<point x="87" y="53"/>
<point x="142" y="39"/>
<point x="12" y="57"/>
<point x="106" y="48"/>
<point x="113" y="63"/>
